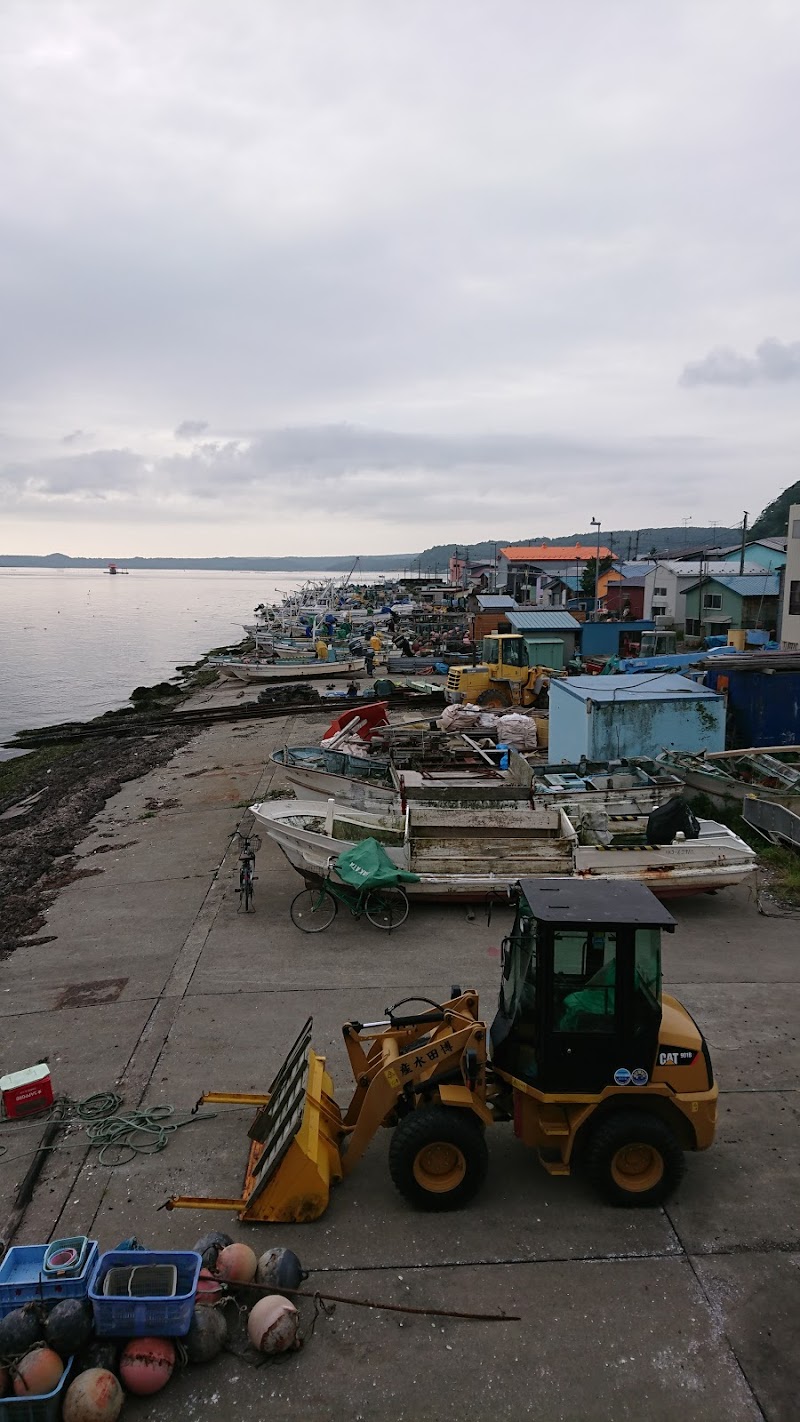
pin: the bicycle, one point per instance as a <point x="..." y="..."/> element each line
<point x="249" y="846"/>
<point x="315" y="907"/>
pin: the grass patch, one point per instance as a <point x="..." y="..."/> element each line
<point x="205" y="677"/>
<point x="784" y="867"/>
<point x="23" y="774"/>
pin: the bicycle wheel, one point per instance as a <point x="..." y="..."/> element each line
<point x="248" y="890"/>
<point x="313" y="910"/>
<point x="245" y="890"/>
<point x="386" y="908"/>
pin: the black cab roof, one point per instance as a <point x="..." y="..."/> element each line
<point x="595" y="901"/>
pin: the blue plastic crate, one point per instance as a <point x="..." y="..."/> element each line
<point x="22" y="1277"/>
<point x="46" y="1408"/>
<point x="123" y="1317"/>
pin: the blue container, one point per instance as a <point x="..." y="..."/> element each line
<point x="123" y="1317"/>
<point x="22" y="1277"/>
<point x="46" y="1408"/>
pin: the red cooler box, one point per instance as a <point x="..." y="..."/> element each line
<point x="26" y="1092"/>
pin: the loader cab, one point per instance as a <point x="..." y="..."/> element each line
<point x="506" y="651"/>
<point x="580" y="993"/>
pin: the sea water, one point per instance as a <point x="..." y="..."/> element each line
<point x="75" y="642"/>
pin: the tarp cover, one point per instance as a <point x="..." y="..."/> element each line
<point x="367" y="866"/>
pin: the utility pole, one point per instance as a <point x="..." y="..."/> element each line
<point x="744" y="542"/>
<point x="596" y="521"/>
<point x="686" y="522"/>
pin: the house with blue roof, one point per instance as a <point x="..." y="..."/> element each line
<point x="714" y="605"/>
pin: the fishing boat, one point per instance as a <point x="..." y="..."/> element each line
<point x="457" y="769"/>
<point x="729" y="778"/>
<point x="472" y="854"/>
<point x="255" y="669"/>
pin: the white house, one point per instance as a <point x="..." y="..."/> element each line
<point x="665" y="582"/>
<point x="790" y="623"/>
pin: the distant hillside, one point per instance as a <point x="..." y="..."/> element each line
<point x="773" y="521"/>
<point x="629" y="543"/>
<point x="394" y="562"/>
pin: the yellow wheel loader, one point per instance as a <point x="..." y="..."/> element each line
<point x="504" y="678"/>
<point x="586" y="1056"/>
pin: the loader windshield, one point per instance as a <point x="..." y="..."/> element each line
<point x="584" y="977"/>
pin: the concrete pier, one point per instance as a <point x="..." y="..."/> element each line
<point x="156" y="986"/>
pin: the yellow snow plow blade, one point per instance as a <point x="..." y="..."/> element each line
<point x="295" y="1138"/>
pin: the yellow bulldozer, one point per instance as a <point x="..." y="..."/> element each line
<point x="586" y="1056"/>
<point x="503" y="678"/>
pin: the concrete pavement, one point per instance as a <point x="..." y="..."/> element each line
<point x="156" y="982"/>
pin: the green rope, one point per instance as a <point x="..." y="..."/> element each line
<point x="143" y="1132"/>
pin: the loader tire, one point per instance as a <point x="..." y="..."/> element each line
<point x="498" y="698"/>
<point x="438" y="1157"/>
<point x="633" y="1159"/>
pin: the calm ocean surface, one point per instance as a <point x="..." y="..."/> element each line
<point x="74" y="643"/>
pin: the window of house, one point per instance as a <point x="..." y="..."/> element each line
<point x="659" y="611"/>
<point x="794" y="597"/>
<point x="712" y="600"/>
<point x="659" y="592"/>
<point x="694" y="627"/>
<point x="796" y="528"/>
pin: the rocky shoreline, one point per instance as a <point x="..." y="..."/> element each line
<point x="48" y="799"/>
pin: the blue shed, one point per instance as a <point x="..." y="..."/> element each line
<point x="610" y="639"/>
<point x="763" y="704"/>
<point x="615" y="717"/>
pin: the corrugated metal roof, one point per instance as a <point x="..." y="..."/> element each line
<point x="638" y="569"/>
<point x="748" y="585"/>
<point x="491" y="601"/>
<point x="550" y="619"/>
<point x="693" y="568"/>
<point x="633" y="686"/>
<point x="555" y="553"/>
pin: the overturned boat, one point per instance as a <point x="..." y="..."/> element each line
<point x="475" y="853"/>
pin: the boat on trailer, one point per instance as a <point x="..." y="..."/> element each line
<point x="476" y="853"/>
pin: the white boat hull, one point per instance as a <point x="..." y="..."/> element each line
<point x="286" y="670"/>
<point x="449" y="857"/>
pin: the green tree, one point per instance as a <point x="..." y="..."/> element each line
<point x="773" y="521"/>
<point x="588" y="574"/>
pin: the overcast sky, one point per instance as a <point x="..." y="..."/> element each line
<point x="365" y="276"/>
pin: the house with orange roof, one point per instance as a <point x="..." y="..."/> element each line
<point x="522" y="572"/>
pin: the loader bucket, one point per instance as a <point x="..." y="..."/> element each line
<point x="295" y="1137"/>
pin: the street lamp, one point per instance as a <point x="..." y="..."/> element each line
<point x="595" y="522"/>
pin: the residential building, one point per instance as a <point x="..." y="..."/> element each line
<point x="524" y="571"/>
<point x="489" y="613"/>
<point x="625" y="598"/>
<point x="667" y="579"/>
<point x="768" y="553"/>
<point x="790" y="623"/>
<point x="715" y="605"/>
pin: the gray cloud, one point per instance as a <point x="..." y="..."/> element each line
<point x="773" y="361"/>
<point x="378" y="254"/>
<point x="76" y="437"/>
<point x="191" y="429"/>
<point x="344" y="472"/>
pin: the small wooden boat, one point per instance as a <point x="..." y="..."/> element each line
<point x="250" y="669"/>
<point x="473" y="854"/>
<point x="457" y="770"/>
<point x="728" y="778"/>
